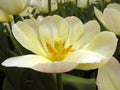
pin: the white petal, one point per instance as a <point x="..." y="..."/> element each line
<point x="52" y="27"/>
<point x="63" y="29"/>
<point x="112" y="20"/>
<point x="114" y="6"/>
<point x="99" y="16"/>
<point x="45" y="35"/>
<point x="91" y="28"/>
<point x="108" y="76"/>
<point x="75" y="30"/>
<point x="72" y="21"/>
<point x="48" y="31"/>
<point x="56" y="67"/>
<point x="75" y="35"/>
<point x="25" y="61"/>
<point x="33" y="24"/>
<point x="103" y="43"/>
<point x="86" y="59"/>
<point x="27" y="37"/>
<point x="49" y="25"/>
<point x="61" y="26"/>
<point x="39" y="63"/>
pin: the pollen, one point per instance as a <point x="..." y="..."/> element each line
<point x="58" y="51"/>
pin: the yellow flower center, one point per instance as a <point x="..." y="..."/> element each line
<point x="58" y="51"/>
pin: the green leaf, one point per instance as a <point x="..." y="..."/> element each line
<point x="7" y="85"/>
<point x="27" y="79"/>
<point x="76" y="83"/>
<point x="4" y="43"/>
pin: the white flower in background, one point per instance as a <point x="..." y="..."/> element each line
<point x="110" y="17"/>
<point x="108" y="77"/>
<point x="42" y="5"/>
<point x="62" y="1"/>
<point x="14" y="6"/>
<point x="84" y="3"/>
<point x="5" y="17"/>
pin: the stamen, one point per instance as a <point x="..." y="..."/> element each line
<point x="58" y="51"/>
<point x="51" y="49"/>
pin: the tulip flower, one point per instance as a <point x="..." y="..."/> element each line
<point x="62" y="44"/>
<point x="5" y="17"/>
<point x="42" y="5"/>
<point x="62" y="1"/>
<point x="14" y="6"/>
<point x="84" y="3"/>
<point x="108" y="77"/>
<point x="110" y="17"/>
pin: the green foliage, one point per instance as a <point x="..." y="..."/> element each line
<point x="4" y="43"/>
<point x="77" y="83"/>
<point x="27" y="79"/>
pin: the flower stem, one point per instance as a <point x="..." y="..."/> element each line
<point x="76" y="2"/>
<point x="102" y="4"/>
<point x="59" y="81"/>
<point x="49" y="6"/>
<point x="88" y="3"/>
<point x="60" y="1"/>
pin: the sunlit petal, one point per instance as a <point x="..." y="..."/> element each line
<point x="57" y="67"/>
<point x="27" y="37"/>
<point x="33" y="23"/>
<point x="39" y="63"/>
<point x="62" y="26"/>
<point x="91" y="28"/>
<point x="63" y="29"/>
<point x="86" y="59"/>
<point x="75" y="30"/>
<point x="48" y="30"/>
<point x="103" y="44"/>
<point x="75" y="35"/>
<point x="72" y="21"/>
<point x="53" y="27"/>
<point x="90" y="66"/>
